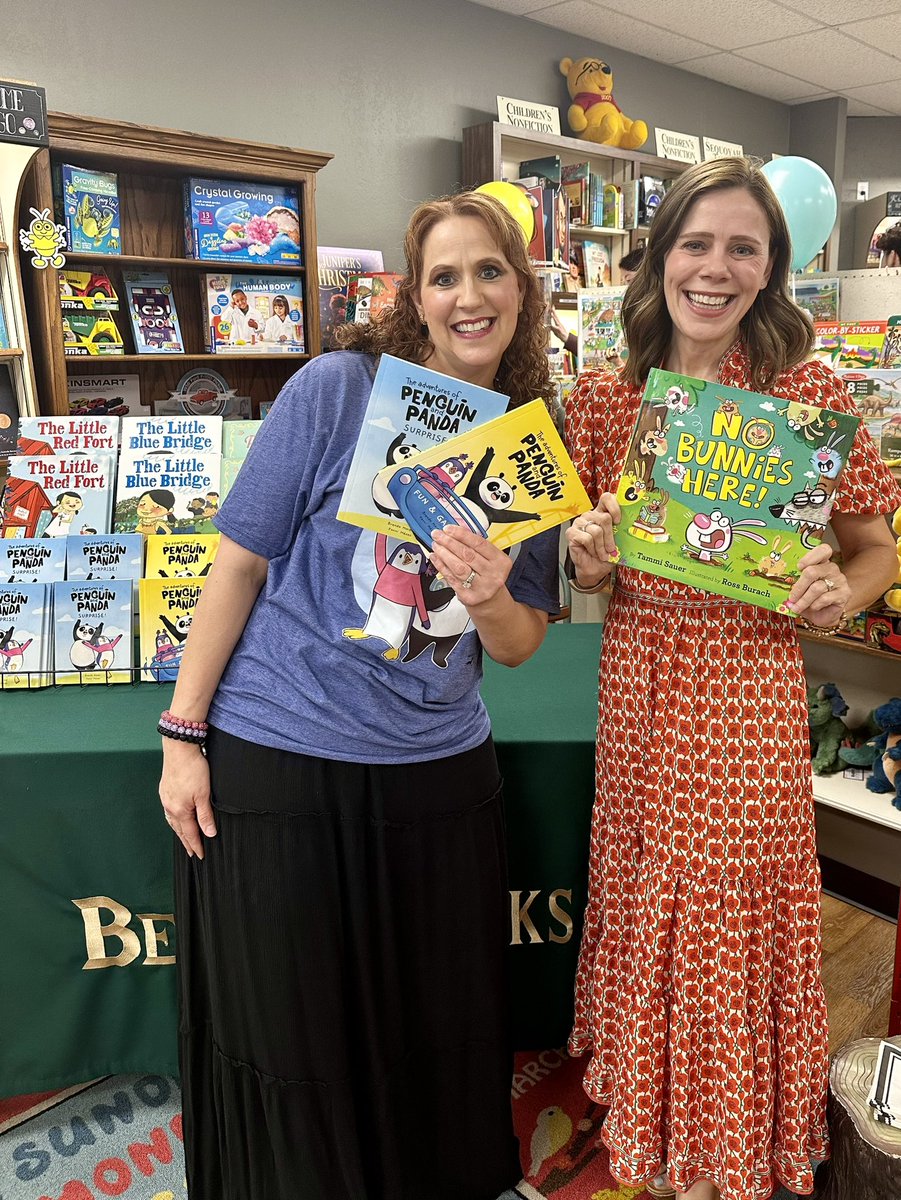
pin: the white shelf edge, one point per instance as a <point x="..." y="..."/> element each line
<point x="853" y="797"/>
<point x="589" y="231"/>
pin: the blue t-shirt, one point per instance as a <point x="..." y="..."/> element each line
<point x="351" y="651"/>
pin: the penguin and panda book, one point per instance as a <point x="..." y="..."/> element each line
<point x="93" y="631"/>
<point x="26" y="635"/>
<point x="507" y="483"/>
<point x="167" y="610"/>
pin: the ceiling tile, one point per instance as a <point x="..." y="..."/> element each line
<point x="826" y="58"/>
<point x="616" y="29"/>
<point x="878" y="32"/>
<point x="724" y="24"/>
<point x="882" y="95"/>
<point x="857" y="108"/>
<point x="750" y="77"/>
<point x="518" y="8"/>
<point x="835" y="12"/>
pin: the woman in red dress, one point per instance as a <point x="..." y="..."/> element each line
<point x="698" y="995"/>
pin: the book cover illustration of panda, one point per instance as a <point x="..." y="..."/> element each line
<point x="182" y="556"/>
<point x="410" y="409"/>
<point x="167" y="609"/>
<point x="505" y="480"/>
<point x="109" y="556"/>
<point x="93" y="631"/>
<point x="26" y="635"/>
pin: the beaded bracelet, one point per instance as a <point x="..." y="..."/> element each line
<point x="824" y="631"/>
<point x="182" y="730"/>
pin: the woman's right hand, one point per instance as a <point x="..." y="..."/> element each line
<point x="592" y="546"/>
<point x="185" y="794"/>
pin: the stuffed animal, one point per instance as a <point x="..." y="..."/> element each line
<point x="859" y="748"/>
<point x="594" y="115"/>
<point x="886" y="775"/>
<point x="827" y="729"/>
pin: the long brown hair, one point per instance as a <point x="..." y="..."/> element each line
<point x="777" y="334"/>
<point x="523" y="372"/>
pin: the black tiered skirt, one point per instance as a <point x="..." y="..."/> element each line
<point x="341" y="961"/>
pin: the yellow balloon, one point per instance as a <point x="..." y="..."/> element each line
<point x="515" y="201"/>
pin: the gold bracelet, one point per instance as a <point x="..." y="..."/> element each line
<point x="824" y="630"/>
<point x="589" y="591"/>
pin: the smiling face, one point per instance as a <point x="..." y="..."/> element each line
<point x="718" y="263"/>
<point x="469" y="297"/>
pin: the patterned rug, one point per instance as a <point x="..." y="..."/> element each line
<point x="121" y="1136"/>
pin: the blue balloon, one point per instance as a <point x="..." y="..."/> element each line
<point x="808" y="200"/>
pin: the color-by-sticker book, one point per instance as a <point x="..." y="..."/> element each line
<point x="410" y="408"/>
<point x="168" y="480"/>
<point x="602" y="343"/>
<point x="505" y="480"/>
<point x="725" y="489"/>
<point x="167" y="609"/>
<point x="93" y="631"/>
<point x="26" y="635"/>
<point x="180" y="556"/>
<point x="849" y="345"/>
<point x="50" y="495"/>
<point x="32" y="560"/>
<point x="68" y="435"/>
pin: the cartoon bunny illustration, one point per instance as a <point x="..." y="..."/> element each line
<point x="773" y="562"/>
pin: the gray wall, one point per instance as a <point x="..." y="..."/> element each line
<point x="385" y="85"/>
<point x="873" y="154"/>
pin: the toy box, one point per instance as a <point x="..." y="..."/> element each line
<point x="90" y="333"/>
<point x="151" y="306"/>
<point x="228" y="220"/>
<point x="253" y="314"/>
<point x="86" y="289"/>
<point x="89" y="208"/>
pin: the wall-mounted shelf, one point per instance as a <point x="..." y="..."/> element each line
<point x="854" y="797"/>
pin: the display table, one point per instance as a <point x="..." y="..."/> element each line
<point x="85" y="861"/>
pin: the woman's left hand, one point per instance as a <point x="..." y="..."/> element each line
<point x="822" y="593"/>
<point x="470" y="564"/>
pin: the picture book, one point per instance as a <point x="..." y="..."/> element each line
<point x="631" y="192"/>
<point x="506" y="480"/>
<point x="49" y="495"/>
<point x="229" y="220"/>
<point x="168" y="478"/>
<point x="253" y="314"/>
<point x="101" y="395"/>
<point x="9" y="411"/>
<point x="546" y="170"/>
<point x="86" y="290"/>
<point x="849" y="345"/>
<point x="26" y="635"/>
<point x="575" y="178"/>
<point x="891" y="350"/>
<point x="409" y="408"/>
<point x="68" y="435"/>
<point x="228" y="475"/>
<point x="32" y="560"/>
<point x="111" y="556"/>
<point x="537" y="196"/>
<point x="650" y="194"/>
<point x="596" y="263"/>
<point x="237" y="438"/>
<point x="818" y="295"/>
<point x="167" y="608"/>
<point x="368" y="296"/>
<point x="613" y="206"/>
<point x="93" y="641"/>
<point x="337" y="264"/>
<point x="725" y="489"/>
<point x="181" y="556"/>
<point x="151" y="306"/>
<point x="602" y="342"/>
<point x="877" y="394"/>
<point x="89" y="209"/>
<point x="87" y="333"/>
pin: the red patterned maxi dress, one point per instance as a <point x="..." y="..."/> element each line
<point x="698" y="991"/>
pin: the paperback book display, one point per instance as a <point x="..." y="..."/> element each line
<point x="602" y="343"/>
<point x="93" y="631"/>
<point x="506" y="480"/>
<point x="26" y="635"/>
<point x="168" y="477"/>
<point x="725" y="489"/>
<point x="253" y="314"/>
<point x="409" y="409"/>
<point x="151" y="306"/>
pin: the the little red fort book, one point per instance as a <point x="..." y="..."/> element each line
<point x="726" y="489"/>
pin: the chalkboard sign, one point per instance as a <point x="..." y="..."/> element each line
<point x="23" y="114"/>
<point x="893" y="204"/>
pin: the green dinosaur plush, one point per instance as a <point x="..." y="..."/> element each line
<point x="827" y="729"/>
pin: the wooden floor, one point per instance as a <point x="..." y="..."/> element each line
<point x="858" y="959"/>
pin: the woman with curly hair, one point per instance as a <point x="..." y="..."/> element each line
<point x="341" y="898"/>
<point x="699" y="1002"/>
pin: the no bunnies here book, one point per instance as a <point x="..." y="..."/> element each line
<point x="725" y="489"/>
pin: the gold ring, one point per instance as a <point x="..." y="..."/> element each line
<point x="830" y="583"/>
<point x="468" y="581"/>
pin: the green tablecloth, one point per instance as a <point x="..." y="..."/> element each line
<point x="85" y="858"/>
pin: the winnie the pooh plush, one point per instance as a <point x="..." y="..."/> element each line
<point x="594" y="115"/>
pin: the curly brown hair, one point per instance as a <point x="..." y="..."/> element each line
<point x="776" y="333"/>
<point x="523" y="373"/>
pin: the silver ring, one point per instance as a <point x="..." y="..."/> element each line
<point x="830" y="583"/>
<point x="468" y="581"/>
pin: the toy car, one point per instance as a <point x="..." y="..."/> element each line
<point x="86" y="289"/>
<point x="85" y="333"/>
<point x="429" y="504"/>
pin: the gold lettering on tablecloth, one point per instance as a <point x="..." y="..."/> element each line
<point x="97" y="935"/>
<point x="154" y="937"/>
<point x="522" y="923"/>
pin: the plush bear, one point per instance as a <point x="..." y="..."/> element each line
<point x="594" y="115"/>
<point x="827" y="729"/>
<point x="886" y="775"/>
